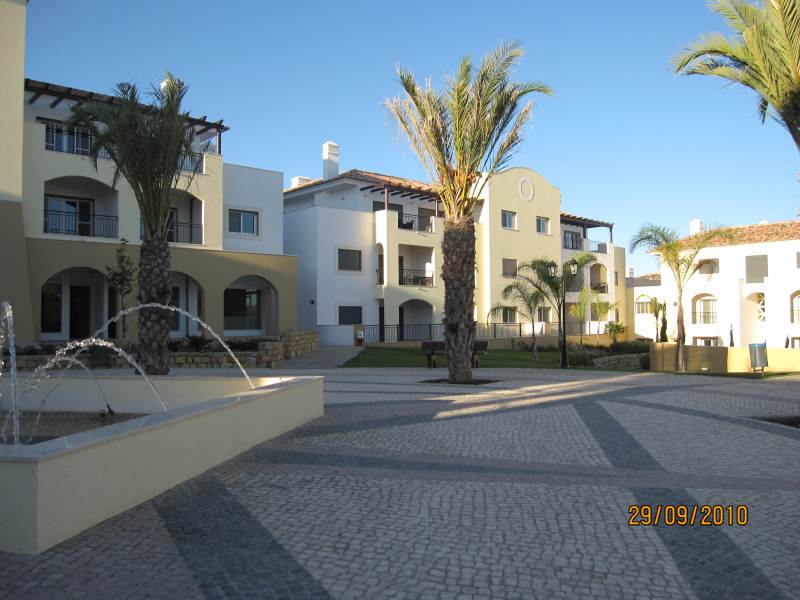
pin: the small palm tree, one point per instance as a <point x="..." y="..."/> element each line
<point x="680" y="256"/>
<point x="657" y="308"/>
<point x="149" y="145"/>
<point x="543" y="275"/>
<point x="763" y="56"/>
<point x="462" y="136"/>
<point x="602" y="308"/>
<point x="580" y="309"/>
<point x="527" y="299"/>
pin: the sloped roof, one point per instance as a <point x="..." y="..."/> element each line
<point x="378" y="179"/>
<point x="760" y="233"/>
<point x="646" y="280"/>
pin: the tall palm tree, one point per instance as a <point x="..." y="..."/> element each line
<point x="463" y="135"/>
<point x="151" y="146"/>
<point x="527" y="299"/>
<point x="763" y="55"/>
<point x="680" y="256"/>
<point x="543" y="275"/>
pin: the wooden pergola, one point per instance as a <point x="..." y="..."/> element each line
<point x="401" y="191"/>
<point x="60" y="93"/>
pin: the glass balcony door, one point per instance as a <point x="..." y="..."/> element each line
<point x="72" y="216"/>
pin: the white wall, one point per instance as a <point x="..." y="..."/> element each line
<point x="300" y="240"/>
<point x="259" y="190"/>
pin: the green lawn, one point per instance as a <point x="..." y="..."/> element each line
<point x="383" y="356"/>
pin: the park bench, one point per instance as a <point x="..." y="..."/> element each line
<point x="431" y="349"/>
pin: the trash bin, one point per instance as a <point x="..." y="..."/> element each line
<point x="360" y="337"/>
<point x="758" y="356"/>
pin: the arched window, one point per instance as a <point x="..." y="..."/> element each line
<point x="704" y="309"/>
<point x="795" y="307"/>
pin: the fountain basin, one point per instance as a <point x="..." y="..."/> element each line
<point x="55" y="489"/>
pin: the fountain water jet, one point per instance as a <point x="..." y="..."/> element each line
<point x="7" y="316"/>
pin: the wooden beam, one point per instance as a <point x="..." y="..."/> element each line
<point x="56" y="102"/>
<point x="366" y="187"/>
<point x="35" y="97"/>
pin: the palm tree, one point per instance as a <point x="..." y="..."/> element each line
<point x="579" y="310"/>
<point x="543" y="275"/>
<point x="763" y="56"/>
<point x="527" y="300"/>
<point x="602" y="308"/>
<point x="151" y="146"/>
<point x="657" y="308"/>
<point x="679" y="254"/>
<point x="462" y="136"/>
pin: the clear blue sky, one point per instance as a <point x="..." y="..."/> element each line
<point x="624" y="139"/>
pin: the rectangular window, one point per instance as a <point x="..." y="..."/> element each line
<point x="543" y="225"/>
<point x="349" y="260"/>
<point x="756" y="268"/>
<point x="242" y="309"/>
<point x="350" y="315"/>
<point x="572" y="240"/>
<point x="706" y="341"/>
<point x="509" y="219"/>
<point x="509" y="315"/>
<point x="243" y="221"/>
<point x="509" y="267"/>
<point x="708" y="266"/>
<point x="543" y="314"/>
<point x="643" y="308"/>
<point x="51" y="307"/>
<point x="795" y="342"/>
<point x="616" y="278"/>
<point x="798" y="260"/>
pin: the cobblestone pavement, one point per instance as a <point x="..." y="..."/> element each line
<point x="517" y="489"/>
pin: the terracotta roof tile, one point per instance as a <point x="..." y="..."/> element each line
<point x="756" y="234"/>
<point x="371" y="177"/>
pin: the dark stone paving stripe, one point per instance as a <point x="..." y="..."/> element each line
<point x="708" y="559"/>
<point x="230" y="553"/>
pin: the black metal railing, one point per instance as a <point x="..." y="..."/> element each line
<point x="71" y="223"/>
<point x="704" y="318"/>
<point x="414" y="222"/>
<point x="601" y="288"/>
<point x="598" y="247"/>
<point x="180" y="233"/>
<point x="418" y="277"/>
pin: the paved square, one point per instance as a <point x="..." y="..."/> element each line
<point x="519" y="489"/>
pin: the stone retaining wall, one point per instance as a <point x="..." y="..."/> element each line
<point x="620" y="361"/>
<point x="269" y="355"/>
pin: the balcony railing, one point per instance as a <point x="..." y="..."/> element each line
<point x="600" y="288"/>
<point x="418" y="277"/>
<point x="796" y="316"/>
<point x="380" y="276"/>
<point x="70" y="223"/>
<point x="414" y="222"/>
<point x="483" y="331"/>
<point x="598" y="247"/>
<point x="704" y="318"/>
<point x="180" y="233"/>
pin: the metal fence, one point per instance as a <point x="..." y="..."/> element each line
<point x="414" y="222"/>
<point x="72" y="223"/>
<point x="418" y="277"/>
<point x="483" y="331"/>
<point x="704" y="318"/>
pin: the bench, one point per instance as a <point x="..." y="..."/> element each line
<point x="431" y="349"/>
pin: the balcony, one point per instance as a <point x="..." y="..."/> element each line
<point x="415" y="222"/>
<point x="597" y="247"/>
<point x="180" y="233"/>
<point x="600" y="288"/>
<point x="704" y="318"/>
<point x="416" y="277"/>
<point x="71" y="223"/>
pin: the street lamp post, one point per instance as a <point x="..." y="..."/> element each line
<point x="562" y="330"/>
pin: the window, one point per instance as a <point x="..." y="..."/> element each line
<point x="243" y="221"/>
<point x="242" y="309"/>
<point x="705" y="311"/>
<point x="616" y="278"/>
<point x="706" y="341"/>
<point x="756" y="268"/>
<point x="543" y="225"/>
<point x="509" y="219"/>
<point x="643" y="308"/>
<point x="795" y="343"/>
<point x="798" y="260"/>
<point x="572" y="240"/>
<point x="51" y="307"/>
<point x="509" y="267"/>
<point x="350" y="315"/>
<point x="67" y="215"/>
<point x="795" y="307"/>
<point x="509" y="315"/>
<point x="543" y="314"/>
<point x="349" y="260"/>
<point x="708" y="266"/>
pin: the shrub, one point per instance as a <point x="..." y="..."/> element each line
<point x="633" y="347"/>
<point x="583" y="358"/>
<point x="644" y="362"/>
<point x="196" y="342"/>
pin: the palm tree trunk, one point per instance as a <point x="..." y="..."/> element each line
<point x="680" y="361"/>
<point x="458" y="274"/>
<point x="154" y="325"/>
<point x="533" y="336"/>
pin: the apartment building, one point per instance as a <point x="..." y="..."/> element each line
<point x="369" y="252"/>
<point x="61" y="221"/>
<point x="746" y="289"/>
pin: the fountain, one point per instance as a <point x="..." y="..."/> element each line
<point x="8" y="320"/>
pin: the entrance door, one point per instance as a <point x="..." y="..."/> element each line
<point x="400" y="326"/>
<point x="80" y="307"/>
<point x="381" y="323"/>
<point x="400" y="269"/>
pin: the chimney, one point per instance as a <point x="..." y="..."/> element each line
<point x="330" y="160"/>
<point x="299" y="180"/>
<point x="696" y="226"/>
<point x="630" y="272"/>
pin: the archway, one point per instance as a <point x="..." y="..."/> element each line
<point x="188" y="295"/>
<point x="704" y="309"/>
<point x="416" y="321"/>
<point x="754" y="316"/>
<point x="250" y="307"/>
<point x="75" y="303"/>
<point x="598" y="278"/>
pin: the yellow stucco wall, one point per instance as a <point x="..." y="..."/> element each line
<point x="722" y="359"/>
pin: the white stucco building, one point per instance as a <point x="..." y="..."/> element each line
<point x="747" y="289"/>
<point x="369" y="252"/>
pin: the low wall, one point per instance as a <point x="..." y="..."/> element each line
<point x="336" y="335"/>
<point x="620" y="361"/>
<point x="56" y="489"/>
<point x="722" y="359"/>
